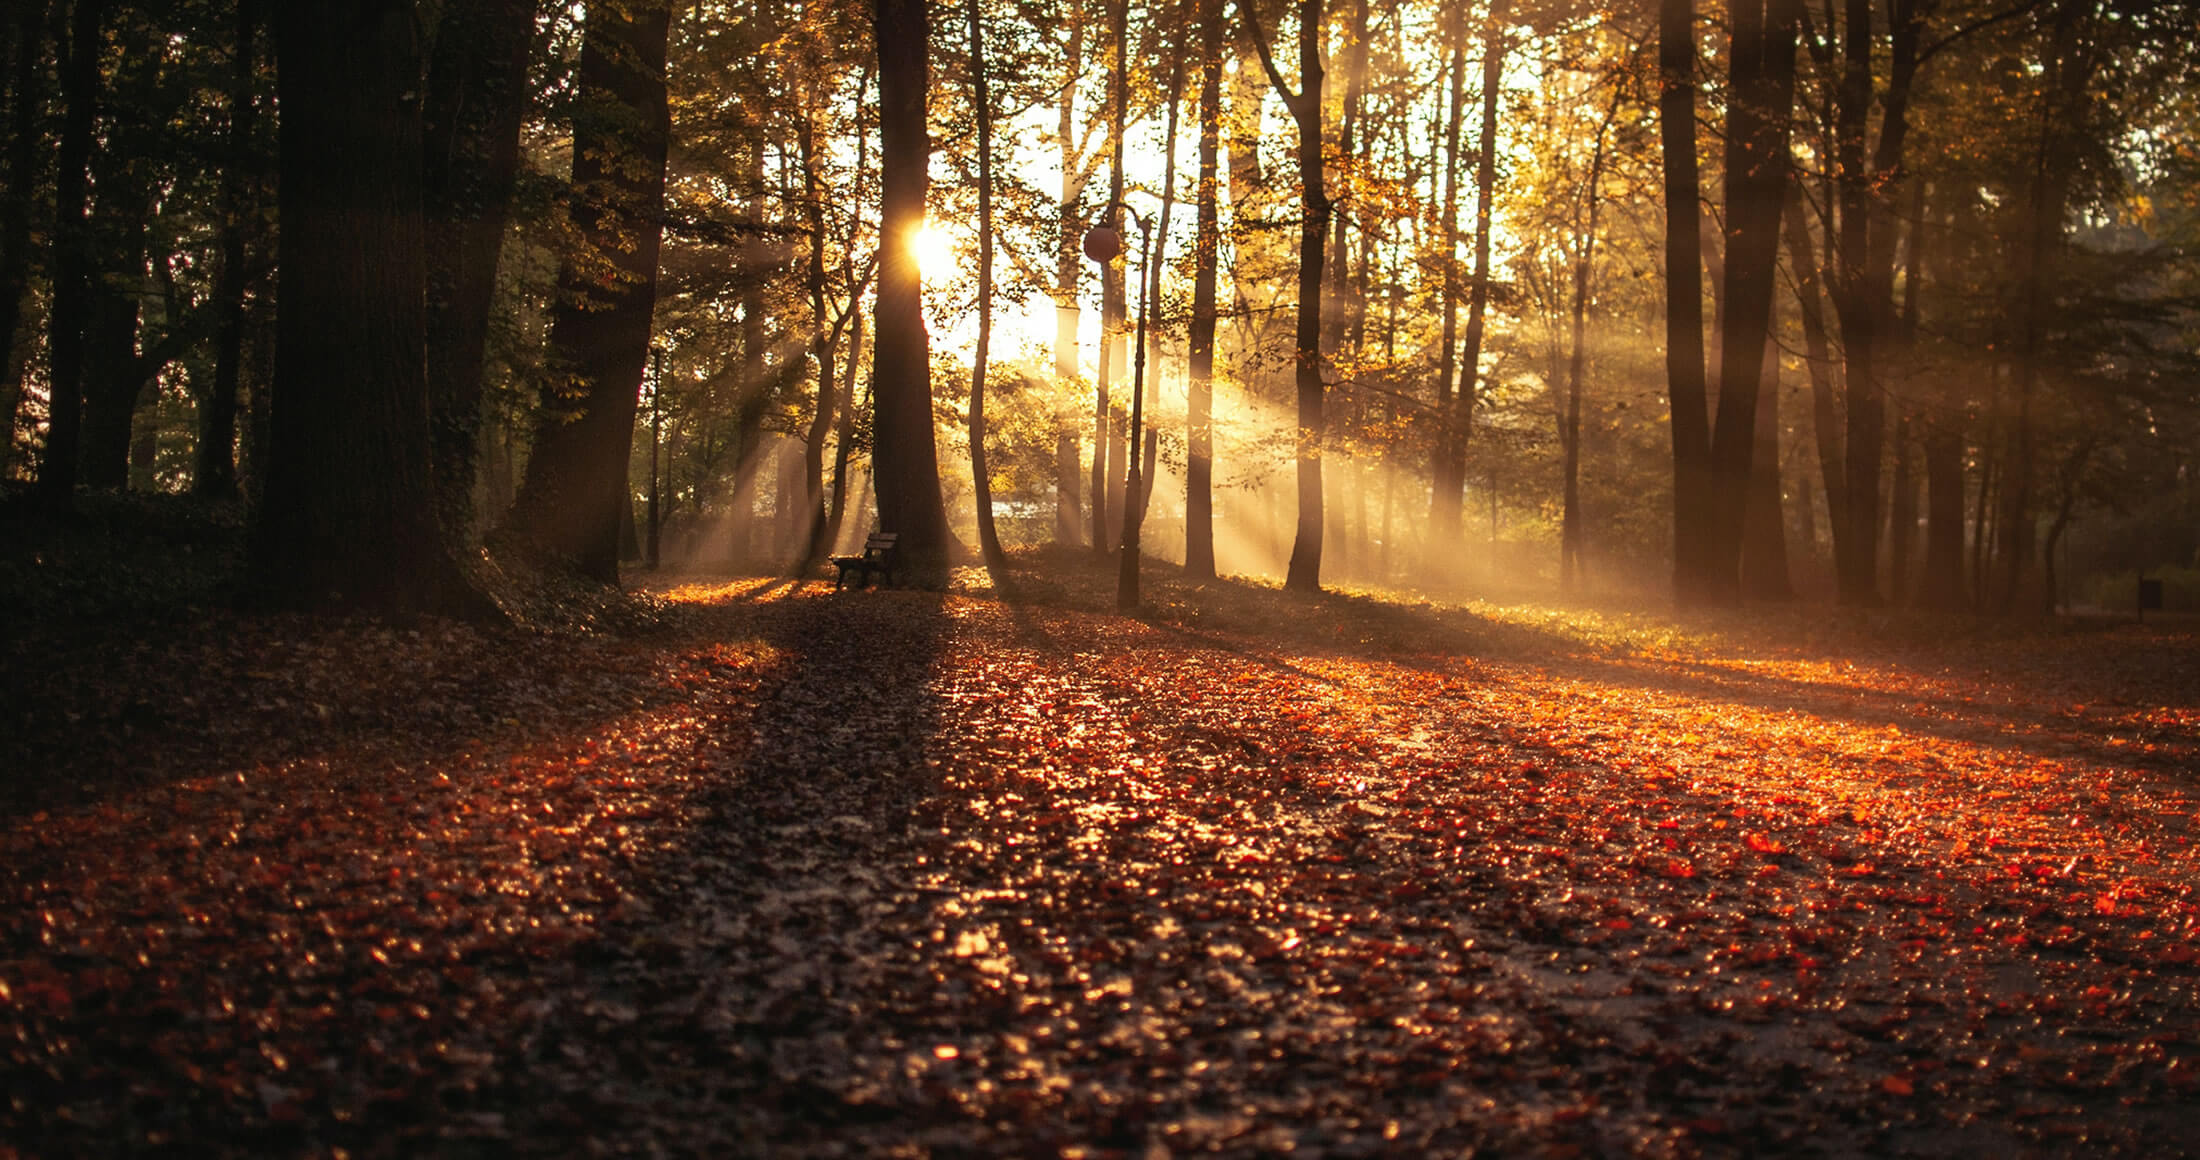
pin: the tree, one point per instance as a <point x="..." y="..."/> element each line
<point x="347" y="519"/>
<point x="1305" y="107"/>
<point x="72" y="288"/>
<point x="215" y="473"/>
<point x="906" y="475"/>
<point x="477" y="101"/>
<point x="1199" y="500"/>
<point x="1761" y="69"/>
<point x="989" y="539"/>
<point x="1686" y="390"/>
<point x="569" y="505"/>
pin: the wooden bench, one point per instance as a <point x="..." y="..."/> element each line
<point x="877" y="560"/>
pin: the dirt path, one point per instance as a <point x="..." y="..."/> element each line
<point x="903" y="874"/>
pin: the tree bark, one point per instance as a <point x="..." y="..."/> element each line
<point x="576" y="482"/>
<point x="72" y="270"/>
<point x="347" y="518"/>
<point x="1761" y="61"/>
<point x="477" y="98"/>
<point x="26" y="97"/>
<point x="214" y="471"/>
<point x="1941" y="587"/>
<point x="1304" y="571"/>
<point x="989" y="539"/>
<point x="1825" y="418"/>
<point x="905" y="473"/>
<point x="1686" y="390"/>
<point x="1447" y="483"/>
<point x="1199" y="500"/>
<point x="1478" y="290"/>
<point x="1570" y="522"/>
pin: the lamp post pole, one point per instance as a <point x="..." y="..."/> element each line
<point x="1102" y="244"/>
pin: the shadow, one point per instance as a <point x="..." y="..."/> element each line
<point x="354" y="940"/>
<point x="736" y="964"/>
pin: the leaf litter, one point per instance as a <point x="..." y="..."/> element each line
<point x="920" y="874"/>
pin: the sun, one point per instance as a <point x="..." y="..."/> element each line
<point x="933" y="250"/>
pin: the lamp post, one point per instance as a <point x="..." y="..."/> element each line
<point x="1102" y="244"/>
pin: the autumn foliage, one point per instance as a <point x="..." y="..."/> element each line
<point x="966" y="873"/>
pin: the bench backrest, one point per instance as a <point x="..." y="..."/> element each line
<point x="880" y="543"/>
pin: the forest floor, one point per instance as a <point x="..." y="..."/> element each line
<point x="895" y="873"/>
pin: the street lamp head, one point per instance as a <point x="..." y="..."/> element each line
<point x="1103" y="243"/>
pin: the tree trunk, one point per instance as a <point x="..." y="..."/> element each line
<point x="1761" y="61"/>
<point x="576" y="482"/>
<point x="347" y="519"/>
<point x="214" y="471"/>
<point x="1570" y="524"/>
<point x="1304" y="571"/>
<point x="26" y="99"/>
<point x="1106" y="442"/>
<point x="1901" y="516"/>
<point x="989" y="539"/>
<point x="905" y="461"/>
<point x="1764" y="512"/>
<point x="844" y="443"/>
<point x="1686" y="390"/>
<point x="1338" y="322"/>
<point x="2069" y="72"/>
<point x="1941" y="587"/>
<point x="1447" y="483"/>
<point x="1858" y="567"/>
<point x="70" y="315"/>
<point x="477" y="98"/>
<point x="1478" y="292"/>
<point x="1199" y="500"/>
<point x="1068" y="266"/>
<point x="1825" y="420"/>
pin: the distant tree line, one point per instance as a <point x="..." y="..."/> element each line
<point x="1893" y="301"/>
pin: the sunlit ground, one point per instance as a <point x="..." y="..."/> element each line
<point x="1000" y="871"/>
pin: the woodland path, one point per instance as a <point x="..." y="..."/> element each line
<point x="898" y="873"/>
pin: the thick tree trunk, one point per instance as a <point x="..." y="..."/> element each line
<point x="347" y="518"/>
<point x="906" y="471"/>
<point x="1199" y="500"/>
<point x="1761" y="61"/>
<point x="1858" y="567"/>
<point x="576" y="483"/>
<point x="1686" y="391"/>
<point x="477" y="98"/>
